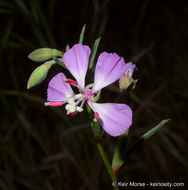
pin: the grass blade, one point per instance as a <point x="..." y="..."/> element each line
<point x="120" y="156"/>
<point x="93" y="52"/>
<point x="82" y="34"/>
<point x="146" y="136"/>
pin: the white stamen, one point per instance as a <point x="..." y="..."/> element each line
<point x="67" y="107"/>
<point x="79" y="109"/>
<point x="72" y="108"/>
<point x="68" y="96"/>
<point x="78" y="96"/>
<point x="71" y="101"/>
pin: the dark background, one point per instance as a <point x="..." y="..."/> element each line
<point x="42" y="148"/>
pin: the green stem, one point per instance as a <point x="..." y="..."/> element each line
<point x="102" y="152"/>
<point x="107" y="163"/>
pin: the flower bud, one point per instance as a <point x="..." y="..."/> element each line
<point x="39" y="74"/>
<point x="127" y="79"/>
<point x="43" y="54"/>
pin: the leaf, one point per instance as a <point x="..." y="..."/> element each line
<point x="120" y="155"/>
<point x="82" y="34"/>
<point x="39" y="74"/>
<point x="146" y="136"/>
<point x="43" y="54"/>
<point x="93" y="52"/>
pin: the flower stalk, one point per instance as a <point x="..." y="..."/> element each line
<point x="107" y="163"/>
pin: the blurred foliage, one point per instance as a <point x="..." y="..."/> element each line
<point x="42" y="148"/>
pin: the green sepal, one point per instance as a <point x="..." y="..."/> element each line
<point x="93" y="52"/>
<point x="118" y="158"/>
<point x="97" y="97"/>
<point x="96" y="127"/>
<point x="39" y="74"/>
<point x="97" y="131"/>
<point x="81" y="39"/>
<point x="43" y="54"/>
<point x="59" y="61"/>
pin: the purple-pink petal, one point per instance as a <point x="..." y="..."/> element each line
<point x="58" y="88"/>
<point x="76" y="60"/>
<point x="114" y="118"/>
<point x="130" y="66"/>
<point x="110" y="67"/>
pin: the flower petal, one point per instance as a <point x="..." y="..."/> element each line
<point x="110" y="67"/>
<point x="76" y="60"/>
<point x="57" y="88"/>
<point x="114" y="118"/>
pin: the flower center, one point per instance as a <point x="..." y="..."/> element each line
<point x="75" y="103"/>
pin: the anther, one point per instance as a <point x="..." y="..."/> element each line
<point x="78" y="96"/>
<point x="67" y="107"/>
<point x="96" y="117"/>
<point x="54" y="104"/>
<point x="79" y="109"/>
<point x="68" y="96"/>
<point x="71" y="82"/>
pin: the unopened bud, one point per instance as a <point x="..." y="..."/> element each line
<point x="125" y="81"/>
<point x="39" y="74"/>
<point x="43" y="54"/>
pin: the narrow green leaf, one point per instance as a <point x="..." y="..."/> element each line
<point x="39" y="74"/>
<point x="93" y="52"/>
<point x="121" y="155"/>
<point x="146" y="136"/>
<point x="154" y="130"/>
<point x="43" y="54"/>
<point x="82" y="35"/>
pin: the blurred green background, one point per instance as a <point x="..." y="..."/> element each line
<point x="42" y="148"/>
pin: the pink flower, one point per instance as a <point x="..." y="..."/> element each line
<point x="114" y="118"/>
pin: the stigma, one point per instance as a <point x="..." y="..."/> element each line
<point x="54" y="104"/>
